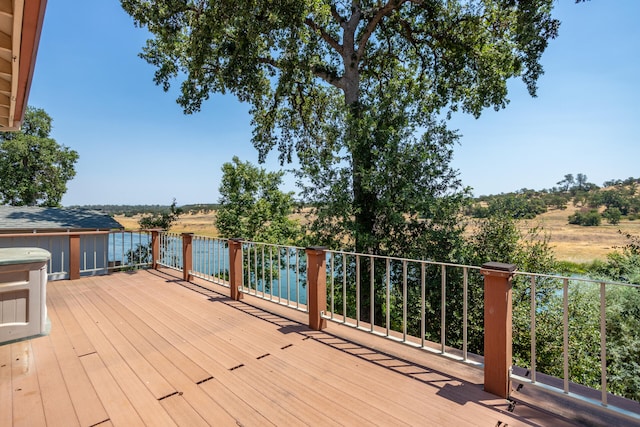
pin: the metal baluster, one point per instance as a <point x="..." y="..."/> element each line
<point x="565" y="322"/>
<point x="357" y="290"/>
<point x="372" y="292"/>
<point x="331" y="283"/>
<point x="465" y="317"/>
<point x="388" y="296"/>
<point x="603" y="343"/>
<point x="443" y="307"/>
<point x="533" y="329"/>
<point x="423" y="292"/>
<point x="344" y="288"/>
<point x="404" y="301"/>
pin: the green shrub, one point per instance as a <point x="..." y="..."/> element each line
<point x="612" y="215"/>
<point x="586" y="218"/>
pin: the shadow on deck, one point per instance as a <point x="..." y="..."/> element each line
<point x="146" y="348"/>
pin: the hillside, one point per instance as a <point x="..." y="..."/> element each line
<point x="199" y="223"/>
<point x="617" y="201"/>
<point x="573" y="243"/>
<point x="581" y="244"/>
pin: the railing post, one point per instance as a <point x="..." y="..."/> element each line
<point x="187" y="256"/>
<point x="155" y="248"/>
<point x="74" y="256"/>
<point x="235" y="268"/>
<point x="497" y="327"/>
<point x="317" y="287"/>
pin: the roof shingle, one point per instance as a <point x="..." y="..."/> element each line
<point x="30" y="218"/>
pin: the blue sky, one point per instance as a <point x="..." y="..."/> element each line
<point x="137" y="147"/>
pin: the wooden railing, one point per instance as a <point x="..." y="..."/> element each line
<point x="497" y="302"/>
<point x="242" y="276"/>
<point x="237" y="273"/>
<point x="75" y="253"/>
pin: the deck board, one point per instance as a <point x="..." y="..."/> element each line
<point x="182" y="413"/>
<point x="125" y="326"/>
<point x="179" y="327"/>
<point x="120" y="410"/>
<point x="27" y="400"/>
<point x="6" y="394"/>
<point x="188" y="357"/>
<point x="86" y="403"/>
<point x="244" y="414"/>
<point x="255" y="341"/>
<point x="112" y="352"/>
<point x="77" y="336"/>
<point x="154" y="381"/>
<point x="144" y="348"/>
<point x="236" y="343"/>
<point x="299" y="390"/>
<point x="57" y="404"/>
<point x="170" y="364"/>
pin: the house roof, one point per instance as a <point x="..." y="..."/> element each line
<point x="20" y="28"/>
<point x="29" y="219"/>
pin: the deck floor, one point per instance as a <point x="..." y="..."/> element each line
<point x="145" y="348"/>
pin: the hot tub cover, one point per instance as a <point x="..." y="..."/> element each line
<point x="10" y="256"/>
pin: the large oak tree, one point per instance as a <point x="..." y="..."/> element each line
<point x="34" y="168"/>
<point x="348" y="87"/>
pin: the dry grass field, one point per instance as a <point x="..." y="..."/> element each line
<point x="581" y="244"/>
<point x="200" y="224"/>
<point x="573" y="243"/>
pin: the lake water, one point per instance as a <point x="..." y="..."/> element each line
<point x="211" y="258"/>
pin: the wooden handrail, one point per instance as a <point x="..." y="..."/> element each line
<point x="55" y="233"/>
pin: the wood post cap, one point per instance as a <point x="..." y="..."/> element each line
<point x="499" y="267"/>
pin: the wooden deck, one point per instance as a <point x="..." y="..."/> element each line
<point x="145" y="348"/>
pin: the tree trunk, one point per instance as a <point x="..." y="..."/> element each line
<point x="364" y="206"/>
<point x="364" y="198"/>
<point x="359" y="142"/>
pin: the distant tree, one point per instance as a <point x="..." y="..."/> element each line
<point x="478" y="211"/>
<point x="595" y="199"/>
<point x="586" y="217"/>
<point x="163" y="220"/>
<point x="612" y="215"/>
<point x="34" y="168"/>
<point x="581" y="181"/>
<point x="253" y="207"/>
<point x="580" y="198"/>
<point x="556" y="200"/>
<point x="567" y="183"/>
<point x="619" y="198"/>
<point x="612" y="183"/>
<point x="518" y="206"/>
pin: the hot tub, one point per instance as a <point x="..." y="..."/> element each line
<point x="23" y="292"/>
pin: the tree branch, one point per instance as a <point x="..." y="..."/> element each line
<point x="380" y="13"/>
<point x="339" y="18"/>
<point x="317" y="70"/>
<point x="327" y="76"/>
<point x="325" y="36"/>
<point x="269" y="61"/>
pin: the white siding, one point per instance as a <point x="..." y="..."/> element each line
<point x="93" y="253"/>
